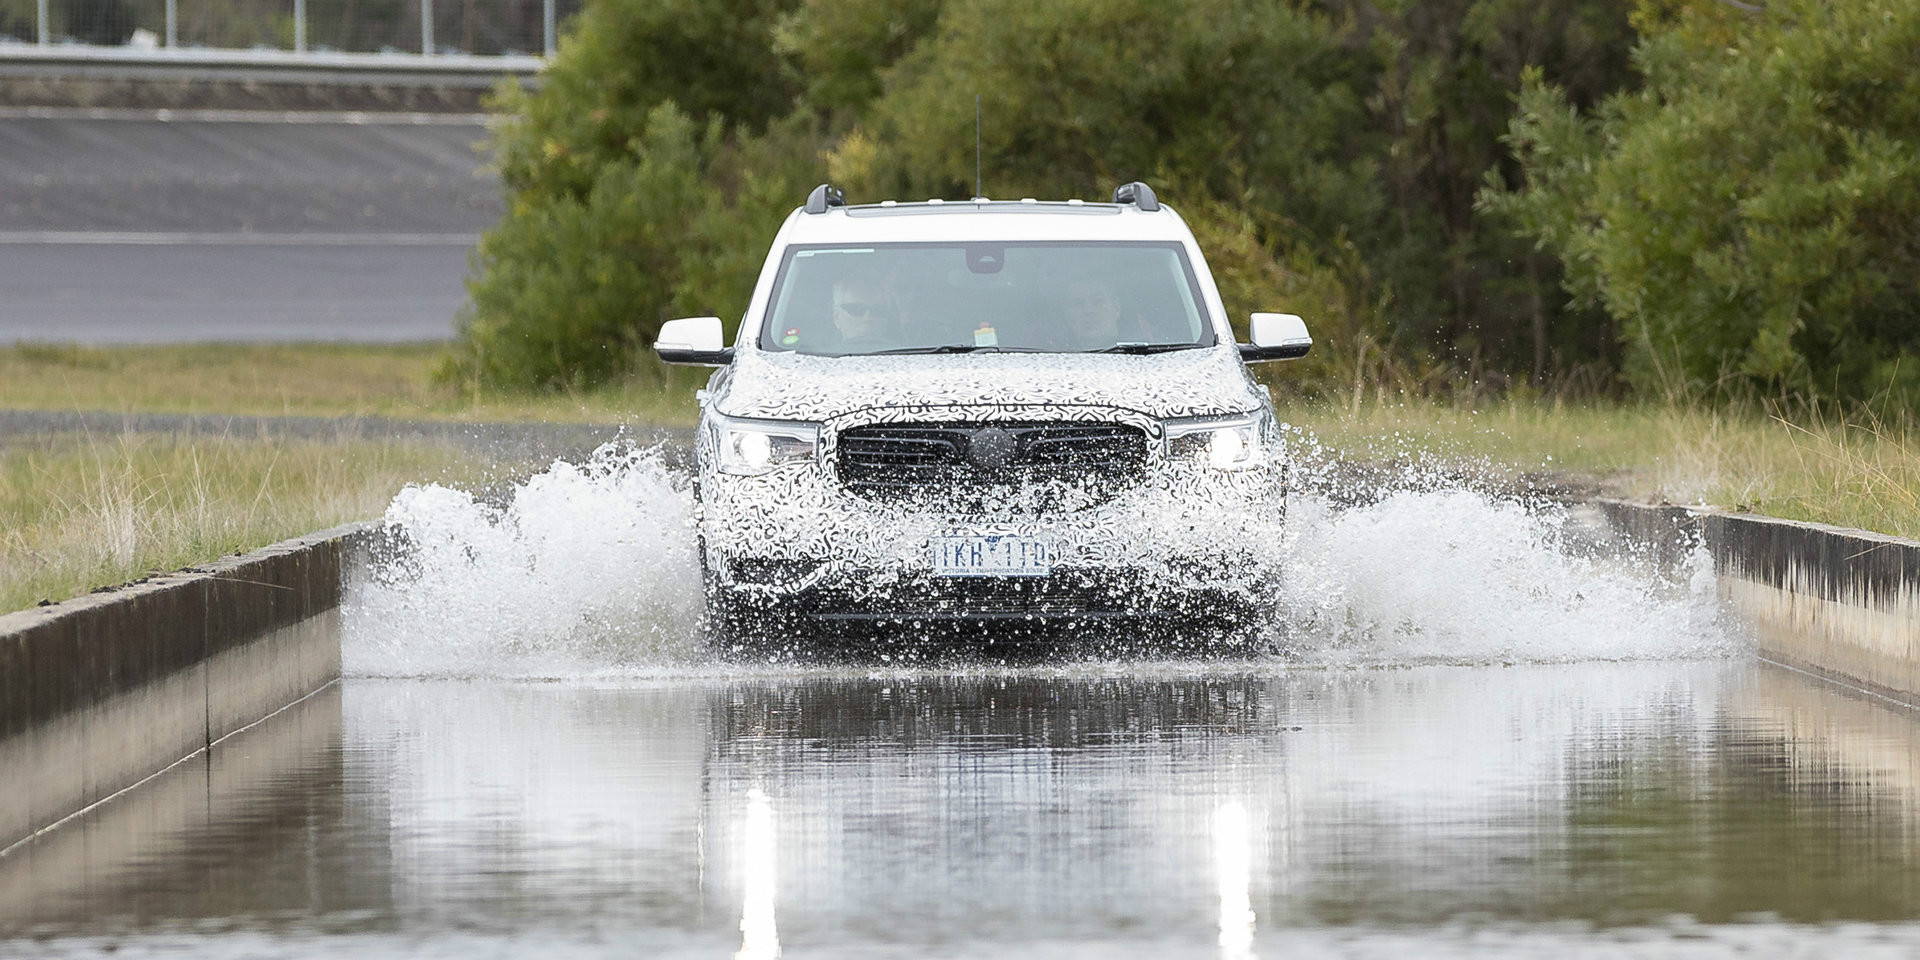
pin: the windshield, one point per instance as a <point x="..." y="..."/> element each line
<point x="1013" y="297"/>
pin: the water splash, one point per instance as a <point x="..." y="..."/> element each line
<point x="589" y="568"/>
<point x="1456" y="576"/>
<point x="1414" y="556"/>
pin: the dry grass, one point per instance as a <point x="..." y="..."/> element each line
<point x="326" y="380"/>
<point x="78" y="512"/>
<point x="1861" y="473"/>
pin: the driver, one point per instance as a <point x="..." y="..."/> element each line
<point x="864" y="314"/>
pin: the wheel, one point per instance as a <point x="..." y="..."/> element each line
<point x="749" y="628"/>
<point x="722" y="619"/>
<point x="724" y="634"/>
<point x="720" y="623"/>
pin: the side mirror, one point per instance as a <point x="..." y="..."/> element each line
<point x="694" y="340"/>
<point x="1276" y="336"/>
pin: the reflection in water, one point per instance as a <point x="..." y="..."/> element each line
<point x="759" y="864"/>
<point x="1159" y="810"/>
<point x="1233" y="862"/>
<point x="226" y="833"/>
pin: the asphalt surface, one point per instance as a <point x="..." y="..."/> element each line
<point x="238" y="171"/>
<point x="132" y="226"/>
<point x="163" y="292"/>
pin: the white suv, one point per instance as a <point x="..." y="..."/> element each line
<point x="988" y="412"/>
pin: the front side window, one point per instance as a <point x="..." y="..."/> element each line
<point x="1082" y="297"/>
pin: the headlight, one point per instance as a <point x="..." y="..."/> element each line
<point x="1224" y="443"/>
<point x="753" y="447"/>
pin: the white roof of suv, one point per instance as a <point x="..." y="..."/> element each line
<point x="984" y="221"/>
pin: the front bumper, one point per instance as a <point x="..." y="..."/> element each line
<point x="1068" y="595"/>
<point x="1185" y="542"/>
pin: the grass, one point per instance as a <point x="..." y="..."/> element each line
<point x="1861" y="473"/>
<point x="319" y="380"/>
<point x="79" y="512"/>
<point x="82" y="511"/>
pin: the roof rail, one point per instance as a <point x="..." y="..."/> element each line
<point x="824" y="196"/>
<point x="1138" y="194"/>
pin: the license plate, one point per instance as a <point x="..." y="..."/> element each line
<point x="999" y="556"/>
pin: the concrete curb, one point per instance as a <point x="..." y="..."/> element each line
<point x="100" y="693"/>
<point x="1837" y="602"/>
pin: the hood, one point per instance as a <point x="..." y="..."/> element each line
<point x="1185" y="383"/>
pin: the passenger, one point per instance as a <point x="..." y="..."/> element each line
<point x="1093" y="315"/>
<point x="864" y="315"/>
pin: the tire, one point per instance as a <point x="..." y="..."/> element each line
<point x="721" y="623"/>
<point x="724" y="634"/>
<point x="744" y="628"/>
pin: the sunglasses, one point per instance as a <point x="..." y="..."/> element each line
<point x="875" y="310"/>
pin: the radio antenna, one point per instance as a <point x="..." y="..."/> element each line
<point x="978" y="191"/>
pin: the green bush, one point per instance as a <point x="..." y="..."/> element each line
<point x="1751" y="215"/>
<point x="644" y="179"/>
<point x="569" y="285"/>
<point x="572" y="289"/>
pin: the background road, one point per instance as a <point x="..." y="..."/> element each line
<point x="144" y="226"/>
<point x="362" y="289"/>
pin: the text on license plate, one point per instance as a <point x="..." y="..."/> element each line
<point x="991" y="556"/>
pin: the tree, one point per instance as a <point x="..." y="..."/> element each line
<point x="1751" y="215"/>
<point x="1444" y="74"/>
<point x="1328" y="151"/>
<point x="640" y="178"/>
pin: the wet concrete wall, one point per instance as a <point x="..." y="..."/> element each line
<point x="1841" y="603"/>
<point x="232" y="819"/>
<point x="102" y="692"/>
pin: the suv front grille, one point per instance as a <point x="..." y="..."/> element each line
<point x="913" y="460"/>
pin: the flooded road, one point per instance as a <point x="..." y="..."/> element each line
<point x="1148" y="809"/>
<point x="1478" y="736"/>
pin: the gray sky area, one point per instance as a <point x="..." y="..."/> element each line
<point x="122" y="227"/>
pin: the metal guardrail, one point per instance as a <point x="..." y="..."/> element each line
<point x="460" y="35"/>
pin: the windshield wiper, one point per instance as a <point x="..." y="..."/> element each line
<point x="942" y="348"/>
<point x="1146" y="347"/>
<point x="946" y="348"/>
